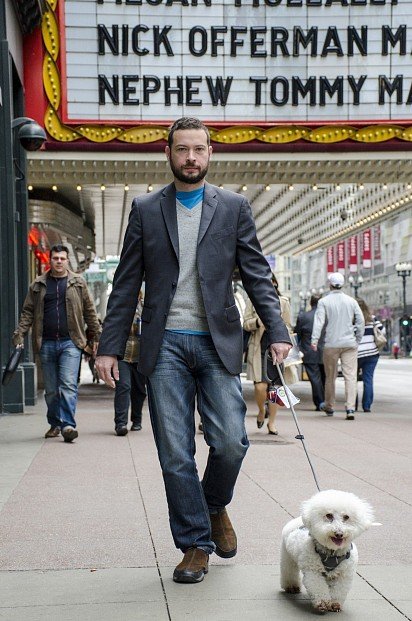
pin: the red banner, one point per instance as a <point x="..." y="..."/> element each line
<point x="330" y="260"/>
<point x="341" y="256"/>
<point x="353" y="253"/>
<point x="367" y="253"/>
<point x="377" y="254"/>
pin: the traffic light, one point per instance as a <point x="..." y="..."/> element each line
<point x="405" y="323"/>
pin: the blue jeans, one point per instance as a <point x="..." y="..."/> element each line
<point x="189" y="368"/>
<point x="367" y="364"/>
<point x="60" y="361"/>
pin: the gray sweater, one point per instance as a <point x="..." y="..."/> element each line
<point x="343" y="319"/>
<point x="187" y="311"/>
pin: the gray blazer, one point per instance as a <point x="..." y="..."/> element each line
<point x="227" y="238"/>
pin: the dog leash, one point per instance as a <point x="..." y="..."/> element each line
<point x="300" y="435"/>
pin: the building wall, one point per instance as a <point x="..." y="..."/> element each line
<point x="14" y="38"/>
<point x="381" y="287"/>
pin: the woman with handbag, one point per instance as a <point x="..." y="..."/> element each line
<point x="256" y="351"/>
<point x="368" y="353"/>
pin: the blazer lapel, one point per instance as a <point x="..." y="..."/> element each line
<point x="168" y="206"/>
<point x="208" y="210"/>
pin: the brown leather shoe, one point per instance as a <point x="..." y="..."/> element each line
<point x="69" y="434"/>
<point x="194" y="566"/>
<point x="223" y="535"/>
<point x="53" y="432"/>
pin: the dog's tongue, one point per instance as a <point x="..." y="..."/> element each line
<point x="337" y="541"/>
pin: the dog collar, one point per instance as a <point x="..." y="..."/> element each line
<point x="331" y="561"/>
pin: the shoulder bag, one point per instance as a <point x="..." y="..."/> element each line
<point x="378" y="336"/>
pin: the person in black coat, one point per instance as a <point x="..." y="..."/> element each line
<point x="312" y="360"/>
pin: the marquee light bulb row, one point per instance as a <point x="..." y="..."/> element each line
<point x="267" y="187"/>
<point x="79" y="187"/>
<point x="366" y="220"/>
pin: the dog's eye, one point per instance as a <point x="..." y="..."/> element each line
<point x="345" y="518"/>
<point x="329" y="516"/>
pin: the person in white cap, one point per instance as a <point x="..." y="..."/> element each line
<point x="344" y="329"/>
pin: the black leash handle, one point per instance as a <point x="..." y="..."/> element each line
<point x="300" y="435"/>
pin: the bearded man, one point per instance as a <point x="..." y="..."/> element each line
<point x="185" y="241"/>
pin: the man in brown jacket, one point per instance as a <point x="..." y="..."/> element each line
<point x="57" y="307"/>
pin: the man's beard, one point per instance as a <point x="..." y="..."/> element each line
<point x="190" y="179"/>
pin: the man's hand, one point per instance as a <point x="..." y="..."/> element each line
<point x="279" y="351"/>
<point x="314" y="347"/>
<point x="107" y="369"/>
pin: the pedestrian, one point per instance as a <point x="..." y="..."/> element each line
<point x="186" y="240"/>
<point x="312" y="360"/>
<point x="395" y="350"/>
<point x="131" y="386"/>
<point x="368" y="354"/>
<point x="256" y="351"/>
<point x="345" y="326"/>
<point x="57" y="307"/>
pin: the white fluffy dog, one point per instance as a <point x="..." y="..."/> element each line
<point x="319" y="544"/>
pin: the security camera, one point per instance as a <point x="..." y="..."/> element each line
<point x="343" y="215"/>
<point x="31" y="136"/>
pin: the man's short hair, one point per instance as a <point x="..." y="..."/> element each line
<point x="187" y="122"/>
<point x="59" y="248"/>
<point x="314" y="299"/>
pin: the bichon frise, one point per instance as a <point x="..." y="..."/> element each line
<point x="320" y="545"/>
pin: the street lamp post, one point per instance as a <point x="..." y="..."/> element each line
<point x="355" y="283"/>
<point x="403" y="270"/>
<point x="319" y="291"/>
<point x="304" y="297"/>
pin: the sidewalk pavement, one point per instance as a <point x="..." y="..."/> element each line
<point x="84" y="526"/>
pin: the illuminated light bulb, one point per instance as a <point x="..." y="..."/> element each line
<point x="244" y="188"/>
<point x="150" y="188"/>
<point x="338" y="187"/>
<point x="361" y="186"/>
<point x="54" y="188"/>
<point x="267" y="188"/>
<point x="78" y="188"/>
<point x="126" y="188"/>
<point x="291" y="187"/>
<point x="314" y="186"/>
<point x="30" y="188"/>
<point x="102" y="187"/>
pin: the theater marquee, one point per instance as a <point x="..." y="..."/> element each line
<point x="274" y="70"/>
